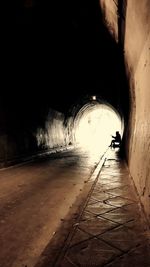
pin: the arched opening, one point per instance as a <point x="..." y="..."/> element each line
<point x="94" y="125"/>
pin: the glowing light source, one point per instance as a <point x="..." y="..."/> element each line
<point x="94" y="97"/>
<point x="95" y="127"/>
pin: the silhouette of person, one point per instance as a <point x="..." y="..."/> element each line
<point x="117" y="139"/>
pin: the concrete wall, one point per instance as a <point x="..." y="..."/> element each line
<point x="137" y="57"/>
<point x="137" y="61"/>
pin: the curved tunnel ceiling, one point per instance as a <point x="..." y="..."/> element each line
<point x="56" y="54"/>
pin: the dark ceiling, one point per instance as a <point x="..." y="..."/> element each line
<point x="55" y="53"/>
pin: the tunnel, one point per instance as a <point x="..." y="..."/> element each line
<point x="95" y="123"/>
<point x="72" y="74"/>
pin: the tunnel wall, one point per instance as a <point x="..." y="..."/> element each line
<point x="56" y="133"/>
<point x="109" y="8"/>
<point x="137" y="60"/>
<point x="17" y="144"/>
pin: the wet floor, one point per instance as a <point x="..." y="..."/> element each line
<point x="112" y="230"/>
<point x="34" y="199"/>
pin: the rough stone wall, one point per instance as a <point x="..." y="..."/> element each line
<point x="137" y="60"/>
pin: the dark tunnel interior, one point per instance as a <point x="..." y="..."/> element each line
<point x="56" y="54"/>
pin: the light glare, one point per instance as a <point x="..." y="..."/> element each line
<point x="95" y="128"/>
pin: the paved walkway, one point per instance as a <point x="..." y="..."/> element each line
<point x="111" y="230"/>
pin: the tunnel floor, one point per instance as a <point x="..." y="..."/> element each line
<point x="111" y="229"/>
<point x="35" y="196"/>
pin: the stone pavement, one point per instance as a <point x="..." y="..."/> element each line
<point x="112" y="230"/>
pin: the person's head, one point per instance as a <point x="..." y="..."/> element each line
<point x="117" y="133"/>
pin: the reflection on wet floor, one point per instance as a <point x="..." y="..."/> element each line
<point x="77" y="156"/>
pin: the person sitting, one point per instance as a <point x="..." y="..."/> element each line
<point x="117" y="139"/>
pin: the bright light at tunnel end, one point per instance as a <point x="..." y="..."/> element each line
<point x="95" y="126"/>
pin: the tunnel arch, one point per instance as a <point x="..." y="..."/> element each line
<point x="100" y="115"/>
